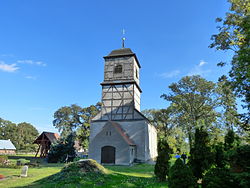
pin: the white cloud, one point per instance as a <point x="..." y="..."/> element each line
<point x="202" y="63"/>
<point x="31" y="77"/>
<point x="199" y="70"/>
<point x="31" y="62"/>
<point x="170" y="74"/>
<point x="8" y="67"/>
<point x="7" y="55"/>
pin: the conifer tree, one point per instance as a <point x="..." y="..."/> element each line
<point x="201" y="156"/>
<point x="162" y="162"/>
<point x="181" y="175"/>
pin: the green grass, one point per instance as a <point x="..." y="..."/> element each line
<point x="47" y="175"/>
<point x="34" y="174"/>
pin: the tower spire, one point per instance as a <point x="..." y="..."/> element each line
<point x="123" y="38"/>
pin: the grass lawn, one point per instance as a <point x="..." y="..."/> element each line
<point x="34" y="174"/>
<point x="47" y="176"/>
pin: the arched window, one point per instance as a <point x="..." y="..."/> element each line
<point x="118" y="69"/>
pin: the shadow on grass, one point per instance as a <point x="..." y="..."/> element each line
<point x="111" y="179"/>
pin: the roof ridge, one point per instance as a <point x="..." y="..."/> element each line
<point x="123" y="133"/>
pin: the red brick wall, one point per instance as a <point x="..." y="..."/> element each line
<point x="7" y="151"/>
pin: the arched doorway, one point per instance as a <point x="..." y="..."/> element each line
<point x="108" y="154"/>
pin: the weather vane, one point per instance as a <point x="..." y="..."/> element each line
<point x="123" y="38"/>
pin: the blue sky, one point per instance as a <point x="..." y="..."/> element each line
<point x="51" y="51"/>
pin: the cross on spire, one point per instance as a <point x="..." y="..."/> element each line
<point x="123" y="38"/>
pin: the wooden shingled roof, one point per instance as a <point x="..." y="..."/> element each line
<point x="122" y="52"/>
<point x="52" y="137"/>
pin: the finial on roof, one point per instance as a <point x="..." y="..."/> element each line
<point x="123" y="38"/>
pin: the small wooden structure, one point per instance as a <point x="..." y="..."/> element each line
<point x="44" y="141"/>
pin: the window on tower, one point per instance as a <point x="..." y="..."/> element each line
<point x="118" y="69"/>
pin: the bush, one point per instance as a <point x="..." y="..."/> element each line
<point x="240" y="159"/>
<point x="181" y="176"/>
<point x="20" y="162"/>
<point x="3" y="159"/>
<point x="63" y="150"/>
<point x="219" y="156"/>
<point x="162" y="161"/>
<point x="219" y="178"/>
<point x="9" y="165"/>
<point x="240" y="165"/>
<point x="242" y="179"/>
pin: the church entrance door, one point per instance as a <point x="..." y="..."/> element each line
<point x="108" y="154"/>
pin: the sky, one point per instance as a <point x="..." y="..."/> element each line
<point x="51" y="52"/>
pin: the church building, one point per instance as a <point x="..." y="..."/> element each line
<point x="120" y="134"/>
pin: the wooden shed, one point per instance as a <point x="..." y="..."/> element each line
<point x="6" y="147"/>
<point x="44" y="141"/>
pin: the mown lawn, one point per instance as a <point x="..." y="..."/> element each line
<point x="47" y="176"/>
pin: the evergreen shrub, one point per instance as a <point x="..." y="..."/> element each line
<point x="181" y="176"/>
<point x="63" y="150"/>
<point x="218" y="178"/>
<point x="162" y="161"/>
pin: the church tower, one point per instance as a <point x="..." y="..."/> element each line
<point x="120" y="134"/>
<point x="120" y="89"/>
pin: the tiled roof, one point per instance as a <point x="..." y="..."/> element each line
<point x="122" y="132"/>
<point x="51" y="136"/>
<point x="6" y="144"/>
<point x="121" y="52"/>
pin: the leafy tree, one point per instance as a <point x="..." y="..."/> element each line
<point x="166" y="128"/>
<point x="21" y="135"/>
<point x="8" y="130"/>
<point x="234" y="35"/>
<point x="75" y="119"/>
<point x="227" y="100"/>
<point x="181" y="176"/>
<point x="193" y="100"/>
<point x="27" y="133"/>
<point x="201" y="157"/>
<point x="62" y="150"/>
<point x="162" y="161"/>
<point x="83" y="131"/>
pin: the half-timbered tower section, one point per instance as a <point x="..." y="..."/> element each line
<point x="135" y="138"/>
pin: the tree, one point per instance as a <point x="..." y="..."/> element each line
<point x="27" y="133"/>
<point x="234" y="35"/>
<point x="8" y="130"/>
<point x="162" y="161"/>
<point x="166" y="128"/>
<point x="231" y="140"/>
<point x="219" y="157"/>
<point x="201" y="157"/>
<point x="181" y="175"/>
<point x="227" y="100"/>
<point x="75" y="119"/>
<point x="21" y="135"/>
<point x="193" y="102"/>
<point x="63" y="150"/>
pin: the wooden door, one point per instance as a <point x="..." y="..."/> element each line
<point x="108" y="155"/>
